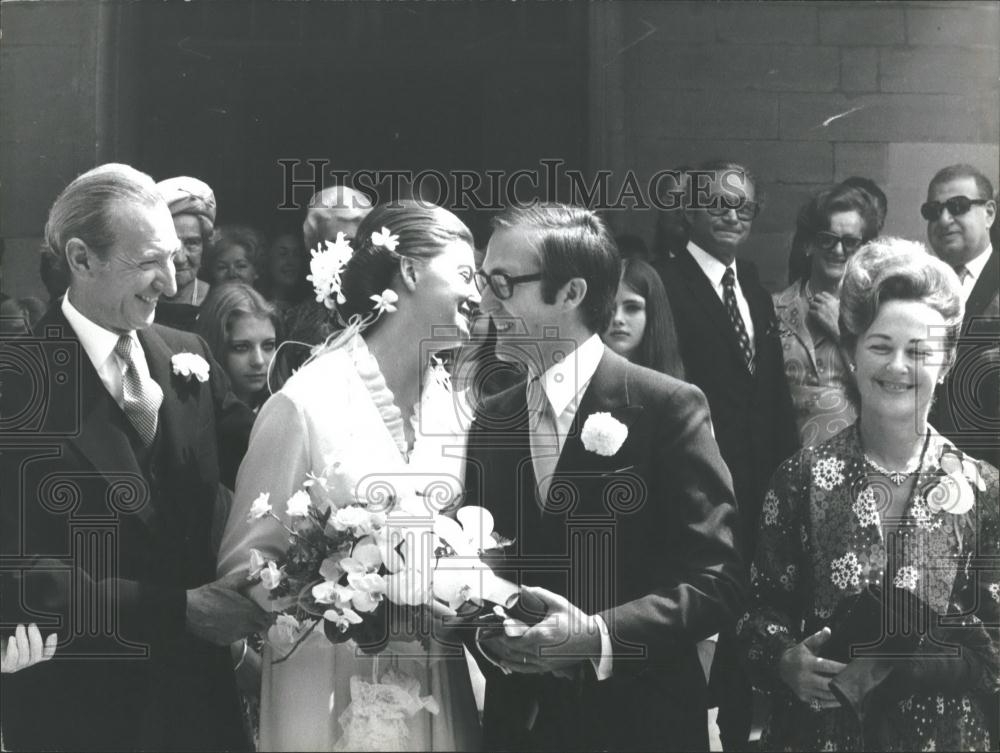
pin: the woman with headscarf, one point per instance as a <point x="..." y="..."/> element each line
<point x="192" y="204"/>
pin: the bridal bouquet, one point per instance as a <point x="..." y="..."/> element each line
<point x="343" y="564"/>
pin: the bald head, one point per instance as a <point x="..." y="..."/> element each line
<point x="333" y="210"/>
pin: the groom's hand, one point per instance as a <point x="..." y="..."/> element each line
<point x="564" y="637"/>
<point x="220" y="612"/>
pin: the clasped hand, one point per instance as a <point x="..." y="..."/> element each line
<point x="824" y="311"/>
<point x="807" y="674"/>
<point x="220" y="612"/>
<point x="565" y="636"/>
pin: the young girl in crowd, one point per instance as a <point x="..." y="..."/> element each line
<point x="242" y="329"/>
<point x="642" y="329"/>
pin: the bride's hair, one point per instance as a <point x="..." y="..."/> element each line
<point x="423" y="229"/>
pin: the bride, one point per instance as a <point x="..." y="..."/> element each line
<point x="365" y="414"/>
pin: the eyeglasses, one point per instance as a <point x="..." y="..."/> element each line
<point x="746" y="211"/>
<point x="501" y="283"/>
<point x="956" y="206"/>
<point x="828" y="241"/>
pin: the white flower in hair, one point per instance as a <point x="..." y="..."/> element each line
<point x="385" y="302"/>
<point x="385" y="239"/>
<point x="603" y="434"/>
<point x="326" y="266"/>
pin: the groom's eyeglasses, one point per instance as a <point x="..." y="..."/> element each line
<point x="956" y="206"/>
<point x="501" y="283"/>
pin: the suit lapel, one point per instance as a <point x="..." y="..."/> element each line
<point x="100" y="440"/>
<point x="759" y="303"/>
<point x="984" y="291"/>
<point x="606" y="393"/>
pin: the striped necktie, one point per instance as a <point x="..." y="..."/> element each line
<point x="736" y="318"/>
<point x="141" y="395"/>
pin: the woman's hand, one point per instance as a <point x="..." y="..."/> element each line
<point x="824" y="310"/>
<point x="25" y="648"/>
<point x="807" y="674"/>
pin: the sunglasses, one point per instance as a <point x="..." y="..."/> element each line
<point x="746" y="211"/>
<point x="956" y="206"/>
<point x="828" y="241"/>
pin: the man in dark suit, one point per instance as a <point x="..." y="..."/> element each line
<point x="960" y="211"/>
<point x="729" y="344"/>
<point x="108" y="476"/>
<point x="608" y="478"/>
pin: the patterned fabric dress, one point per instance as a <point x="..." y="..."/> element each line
<point x="815" y="370"/>
<point x="821" y="541"/>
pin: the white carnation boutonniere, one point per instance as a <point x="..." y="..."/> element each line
<point x="954" y="488"/>
<point x="190" y="366"/>
<point x="604" y="434"/>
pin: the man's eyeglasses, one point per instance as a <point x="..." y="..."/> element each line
<point x="828" y="241"/>
<point x="956" y="206"/>
<point x="501" y="283"/>
<point x="746" y="211"/>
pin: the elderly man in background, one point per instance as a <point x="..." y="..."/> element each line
<point x="192" y="205"/>
<point x="108" y="477"/>
<point x="960" y="210"/>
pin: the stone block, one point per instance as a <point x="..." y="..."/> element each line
<point x="765" y="22"/>
<point x="965" y="25"/>
<point x="890" y="117"/>
<point x="853" y="25"/>
<point x="869" y="160"/>
<point x="859" y="69"/>
<point x="945" y="70"/>
<point x="679" y="114"/>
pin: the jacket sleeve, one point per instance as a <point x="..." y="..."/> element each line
<point x="701" y="584"/>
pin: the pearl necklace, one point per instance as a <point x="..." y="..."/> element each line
<point x="898" y="478"/>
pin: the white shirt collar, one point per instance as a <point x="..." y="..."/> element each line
<point x="98" y="342"/>
<point x="977" y="265"/>
<point x="712" y="267"/>
<point x="566" y="381"/>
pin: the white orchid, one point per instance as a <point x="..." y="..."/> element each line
<point x="260" y="508"/>
<point x="343" y="618"/>
<point x="257" y="563"/>
<point x="298" y="504"/>
<point x="271" y="576"/>
<point x="385" y="302"/>
<point x="385" y="239"/>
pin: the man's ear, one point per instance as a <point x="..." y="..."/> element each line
<point x="571" y="294"/>
<point x="78" y="257"/>
<point x="991" y="213"/>
<point x="408" y="272"/>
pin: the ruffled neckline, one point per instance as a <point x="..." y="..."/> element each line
<point x="383" y="398"/>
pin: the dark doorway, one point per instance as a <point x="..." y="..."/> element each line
<point x="224" y="90"/>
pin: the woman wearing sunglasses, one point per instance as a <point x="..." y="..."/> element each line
<point x="830" y="227"/>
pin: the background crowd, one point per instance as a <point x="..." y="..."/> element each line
<point x="835" y="411"/>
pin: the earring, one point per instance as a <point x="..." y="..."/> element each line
<point x="852" y="367"/>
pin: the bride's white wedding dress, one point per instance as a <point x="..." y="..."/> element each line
<point x="336" y="417"/>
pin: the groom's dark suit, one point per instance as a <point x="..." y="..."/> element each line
<point x="644" y="538"/>
<point x="101" y="536"/>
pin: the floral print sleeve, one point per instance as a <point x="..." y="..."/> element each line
<point x="772" y="625"/>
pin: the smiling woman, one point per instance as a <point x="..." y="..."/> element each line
<point x="853" y="532"/>
<point x="829" y="229"/>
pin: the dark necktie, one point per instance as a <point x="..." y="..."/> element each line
<point x="141" y="395"/>
<point x="729" y="298"/>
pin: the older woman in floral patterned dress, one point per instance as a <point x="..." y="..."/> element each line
<point x="886" y="513"/>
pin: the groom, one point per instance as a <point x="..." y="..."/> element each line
<point x="608" y="478"/>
